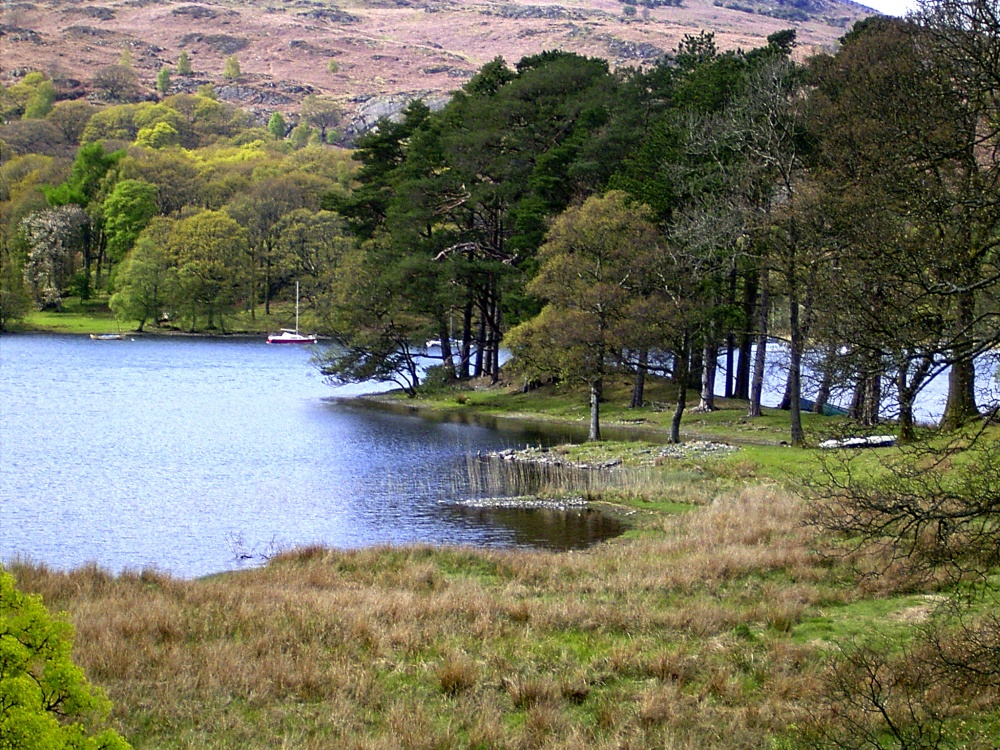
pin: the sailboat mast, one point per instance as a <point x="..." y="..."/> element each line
<point x="296" y="307"/>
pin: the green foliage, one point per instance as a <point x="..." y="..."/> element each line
<point x="127" y="210"/>
<point x="14" y="300"/>
<point x="46" y="702"/>
<point x="41" y="102"/>
<point x="332" y="67"/>
<point x="163" y="80"/>
<point x="231" y="70"/>
<point x="276" y="126"/>
<point x="160" y="135"/>
<point x="209" y="249"/>
<point x="90" y="167"/>
<point x="146" y="282"/>
<point x="301" y="135"/>
<point x="184" y="64"/>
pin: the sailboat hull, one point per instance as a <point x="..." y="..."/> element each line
<point x="290" y="337"/>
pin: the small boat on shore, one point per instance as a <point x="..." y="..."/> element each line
<point x="107" y="336"/>
<point x="289" y="336"/>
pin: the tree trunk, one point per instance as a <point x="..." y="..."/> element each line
<point x="595" y="409"/>
<point x="480" y="346"/>
<point x="696" y="357"/>
<point x="710" y="359"/>
<point x="639" y="384"/>
<point x="906" y="394"/>
<point x="267" y="286"/>
<point x="858" y="398"/>
<point x="760" y="356"/>
<point x="447" y="360"/>
<point x="463" y="367"/>
<point x="873" y="400"/>
<point x="742" y="388"/>
<point x="680" y="381"/>
<point x="826" y="383"/>
<point x="730" y="339"/>
<point x="796" y="435"/>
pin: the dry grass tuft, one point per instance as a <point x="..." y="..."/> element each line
<point x="457" y="674"/>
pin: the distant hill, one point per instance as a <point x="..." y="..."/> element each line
<point x="375" y="55"/>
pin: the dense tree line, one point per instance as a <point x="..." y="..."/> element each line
<point x="844" y="206"/>
<point x="178" y="209"/>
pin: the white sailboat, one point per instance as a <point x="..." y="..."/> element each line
<point x="288" y="336"/>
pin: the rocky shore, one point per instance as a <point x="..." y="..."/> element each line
<point x="695" y="449"/>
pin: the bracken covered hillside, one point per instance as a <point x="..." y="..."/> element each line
<point x="375" y="55"/>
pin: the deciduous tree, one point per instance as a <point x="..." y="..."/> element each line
<point x="591" y="270"/>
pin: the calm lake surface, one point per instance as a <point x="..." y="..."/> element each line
<point x="184" y="453"/>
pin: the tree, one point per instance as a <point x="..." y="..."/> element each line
<point x="231" y="70"/>
<point x="592" y="263"/>
<point x="160" y="135"/>
<point x="259" y="212"/>
<point x="323" y="113"/>
<point x="301" y="135"/>
<point x="116" y="83"/>
<point x="71" y="118"/>
<point x="921" y="158"/>
<point x="146" y="283"/>
<point x="127" y="210"/>
<point x="310" y="246"/>
<point x="53" y="236"/>
<point x="14" y="301"/>
<point x="45" y="699"/>
<point x="163" y="80"/>
<point x="276" y="126"/>
<point x="41" y="103"/>
<point x="209" y="251"/>
<point x="371" y="323"/>
<point x="184" y="64"/>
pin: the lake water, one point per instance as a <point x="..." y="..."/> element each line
<point x="184" y="453"/>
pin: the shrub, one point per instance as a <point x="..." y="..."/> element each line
<point x="41" y="691"/>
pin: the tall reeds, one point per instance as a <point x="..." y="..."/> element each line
<point x="494" y="476"/>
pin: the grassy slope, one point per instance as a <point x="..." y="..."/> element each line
<point x="703" y="629"/>
<point x="93" y="316"/>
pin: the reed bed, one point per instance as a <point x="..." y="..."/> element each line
<point x="493" y="476"/>
<point x="676" y="639"/>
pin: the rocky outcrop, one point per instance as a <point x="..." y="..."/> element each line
<point x="368" y="110"/>
<point x="550" y="12"/>
<point x="334" y="15"/>
<point x="624" y="50"/>
<point x="267" y="94"/>
<point x="222" y="44"/>
<point x="195" y="12"/>
<point x="18" y="34"/>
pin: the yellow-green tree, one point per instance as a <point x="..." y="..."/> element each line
<point x="593" y="265"/>
<point x="231" y="70"/>
<point x="210" y="253"/>
<point x="46" y="702"/>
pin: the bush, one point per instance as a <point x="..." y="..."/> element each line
<point x="42" y="692"/>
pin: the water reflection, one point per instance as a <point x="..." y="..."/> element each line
<point x="550" y="528"/>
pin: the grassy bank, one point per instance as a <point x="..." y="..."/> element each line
<point x="93" y="316"/>
<point x="708" y="628"/>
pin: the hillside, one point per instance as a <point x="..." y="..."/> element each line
<point x="384" y="52"/>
